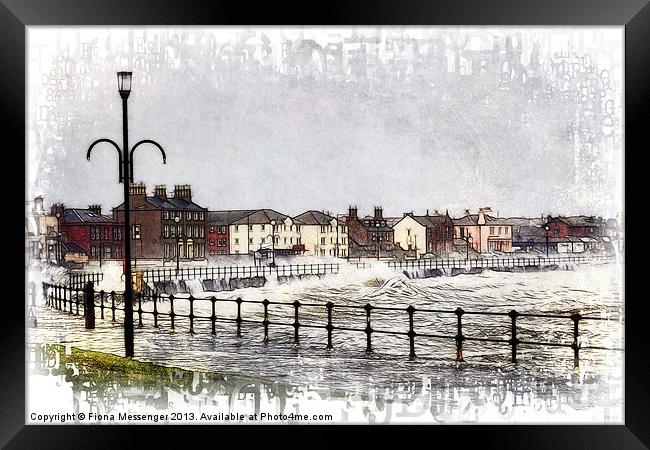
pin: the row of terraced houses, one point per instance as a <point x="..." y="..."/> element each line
<point x="166" y="226"/>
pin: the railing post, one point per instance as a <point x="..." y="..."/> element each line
<point x="140" y="310"/>
<point x="32" y="287"/>
<point x="368" y="329"/>
<point x="76" y="300"/>
<point x="89" y="305"/>
<point x="213" y="317"/>
<point x="296" y="324"/>
<point x="101" y="304"/>
<point x="238" y="319"/>
<point x="329" y="326"/>
<point x="155" y="310"/>
<point x="191" y="300"/>
<point x="576" y="345"/>
<point x="113" y="306"/>
<point x="171" y="310"/>
<point x="459" y="335"/>
<point x="513" y="334"/>
<point x="265" y="302"/>
<point x="411" y="334"/>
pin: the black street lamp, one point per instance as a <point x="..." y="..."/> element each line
<point x="467" y="239"/>
<point x="273" y="241"/>
<point x="178" y="234"/>
<point x="377" y="238"/>
<point x="547" y="228"/>
<point x="125" y="158"/>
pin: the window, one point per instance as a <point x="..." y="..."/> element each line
<point x="188" y="215"/>
<point x="298" y="228"/>
<point x="117" y="233"/>
<point x="188" y="231"/>
<point x="94" y="252"/>
<point x="136" y="231"/>
<point x="172" y="231"/>
<point x="211" y="252"/>
<point x="408" y="231"/>
<point x="165" y="230"/>
<point x="196" y="216"/>
<point x="262" y="227"/>
<point x="236" y="228"/>
<point x="285" y="240"/>
<point x="221" y="242"/>
<point x="291" y="240"/>
<point x="201" y="216"/>
<point x="118" y="252"/>
<point x="201" y="231"/>
<point x="322" y="241"/>
<point x="106" y="233"/>
<point x="94" y="233"/>
<point x="331" y="240"/>
<point x="211" y="241"/>
<point x="343" y="241"/>
<point x="491" y="231"/>
<point x="250" y="228"/>
<point x="166" y="215"/>
<point x="507" y="231"/>
<point x="250" y="240"/>
<point x="108" y="252"/>
<point x="211" y="229"/>
<point x="222" y="229"/>
<point x="166" y="251"/>
<point x="197" y="233"/>
<point x="236" y="241"/>
<point x="462" y="232"/>
<point x="323" y="228"/>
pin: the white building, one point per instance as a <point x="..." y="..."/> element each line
<point x="322" y="234"/>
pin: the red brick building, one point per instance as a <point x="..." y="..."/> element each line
<point x="162" y="226"/>
<point x="371" y="236"/>
<point x="219" y="230"/>
<point x="98" y="235"/>
<point x="580" y="226"/>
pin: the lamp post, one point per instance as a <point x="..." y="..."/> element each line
<point x="547" y="228"/>
<point x="125" y="160"/>
<point x="178" y="234"/>
<point x="377" y="238"/>
<point x="273" y="241"/>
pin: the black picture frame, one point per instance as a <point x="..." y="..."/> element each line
<point x="634" y="15"/>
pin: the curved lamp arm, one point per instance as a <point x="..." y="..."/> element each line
<point x="145" y="141"/>
<point x="117" y="147"/>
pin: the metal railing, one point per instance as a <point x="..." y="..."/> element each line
<point x="79" y="279"/>
<point x="188" y="273"/>
<point x="67" y="299"/>
<point x="490" y="262"/>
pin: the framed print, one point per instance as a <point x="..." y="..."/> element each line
<point x="405" y="215"/>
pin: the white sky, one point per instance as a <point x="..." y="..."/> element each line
<point x="301" y="144"/>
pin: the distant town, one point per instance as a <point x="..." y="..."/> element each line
<point x="170" y="226"/>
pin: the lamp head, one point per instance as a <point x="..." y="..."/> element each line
<point x="124" y="83"/>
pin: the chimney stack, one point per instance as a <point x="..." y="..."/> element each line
<point x="160" y="191"/>
<point x="352" y="211"/>
<point x="96" y="209"/>
<point x="138" y="189"/>
<point x="183" y="191"/>
<point x="379" y="213"/>
<point x="57" y="209"/>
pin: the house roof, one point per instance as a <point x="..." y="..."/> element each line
<point x="84" y="216"/>
<point x="71" y="247"/>
<point x="227" y="217"/>
<point x="577" y="221"/>
<point x="313" y="218"/>
<point x="245" y="216"/>
<point x="472" y="219"/>
<point x="175" y="203"/>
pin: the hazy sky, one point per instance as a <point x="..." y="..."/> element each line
<point x="409" y="124"/>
